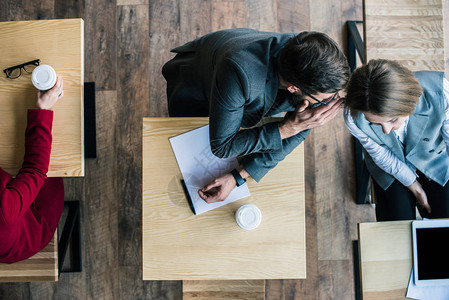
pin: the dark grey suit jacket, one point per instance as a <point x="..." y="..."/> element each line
<point x="231" y="76"/>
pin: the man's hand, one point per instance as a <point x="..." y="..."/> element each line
<point x="420" y="195"/>
<point x="219" y="189"/>
<point x="46" y="99"/>
<point x="304" y="118"/>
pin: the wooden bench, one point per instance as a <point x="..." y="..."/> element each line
<point x="43" y="266"/>
<point x="223" y="289"/>
<point x="47" y="264"/>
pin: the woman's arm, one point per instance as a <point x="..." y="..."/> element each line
<point x="388" y="162"/>
<point x="17" y="195"/>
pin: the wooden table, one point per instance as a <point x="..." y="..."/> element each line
<point x="58" y="43"/>
<point x="408" y="31"/>
<point x="386" y="259"/>
<point x="178" y="245"/>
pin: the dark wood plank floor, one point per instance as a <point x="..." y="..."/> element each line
<point x="126" y="43"/>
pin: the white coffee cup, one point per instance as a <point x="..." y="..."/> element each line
<point x="248" y="216"/>
<point x="43" y="77"/>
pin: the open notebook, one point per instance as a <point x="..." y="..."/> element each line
<point x="199" y="166"/>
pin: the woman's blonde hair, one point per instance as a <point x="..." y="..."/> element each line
<point x="384" y="88"/>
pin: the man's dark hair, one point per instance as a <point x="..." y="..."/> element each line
<point x="313" y="62"/>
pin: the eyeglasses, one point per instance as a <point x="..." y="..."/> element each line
<point x="325" y="102"/>
<point x="16" y="71"/>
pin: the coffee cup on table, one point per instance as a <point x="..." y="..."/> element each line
<point x="43" y="77"/>
<point x="248" y="216"/>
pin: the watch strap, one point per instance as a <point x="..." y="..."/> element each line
<point x="238" y="178"/>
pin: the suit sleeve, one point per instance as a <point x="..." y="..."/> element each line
<point x="229" y="93"/>
<point x="17" y="195"/>
<point x="258" y="164"/>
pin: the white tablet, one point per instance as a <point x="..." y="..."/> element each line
<point x="431" y="252"/>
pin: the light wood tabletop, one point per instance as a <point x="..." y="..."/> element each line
<point x="178" y="245"/>
<point x="60" y="44"/>
<point x="385" y="253"/>
<point x="408" y="31"/>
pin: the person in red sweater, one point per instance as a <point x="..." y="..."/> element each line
<point x="31" y="204"/>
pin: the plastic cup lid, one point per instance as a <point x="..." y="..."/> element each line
<point x="43" y="77"/>
<point x="248" y="216"/>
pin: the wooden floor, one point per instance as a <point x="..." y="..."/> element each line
<point x="126" y="43"/>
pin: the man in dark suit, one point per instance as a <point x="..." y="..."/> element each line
<point x="237" y="77"/>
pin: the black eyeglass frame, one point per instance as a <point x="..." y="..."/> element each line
<point x="319" y="101"/>
<point x="8" y="71"/>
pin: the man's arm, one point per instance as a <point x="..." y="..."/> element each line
<point x="293" y="130"/>
<point x="255" y="165"/>
<point x="258" y="164"/>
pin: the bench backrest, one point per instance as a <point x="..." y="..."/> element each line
<point x="408" y="31"/>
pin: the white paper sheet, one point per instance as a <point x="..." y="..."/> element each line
<point x="199" y="166"/>
<point x="437" y="292"/>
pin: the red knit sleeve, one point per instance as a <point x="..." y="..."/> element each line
<point x="19" y="193"/>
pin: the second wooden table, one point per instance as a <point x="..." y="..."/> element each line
<point x="180" y="246"/>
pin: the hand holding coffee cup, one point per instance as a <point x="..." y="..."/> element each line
<point x="43" y="77"/>
<point x="46" y="99"/>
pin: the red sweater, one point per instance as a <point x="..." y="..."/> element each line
<point x="23" y="230"/>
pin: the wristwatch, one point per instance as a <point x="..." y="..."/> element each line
<point x="239" y="179"/>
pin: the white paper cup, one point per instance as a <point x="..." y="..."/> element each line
<point x="248" y="216"/>
<point x="43" y="77"/>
